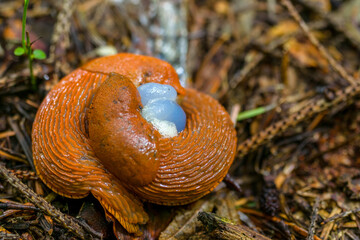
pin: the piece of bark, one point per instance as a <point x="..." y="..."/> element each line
<point x="222" y="228"/>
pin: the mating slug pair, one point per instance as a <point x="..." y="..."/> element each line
<point x="89" y="137"/>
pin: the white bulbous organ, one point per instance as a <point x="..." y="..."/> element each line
<point x="161" y="109"/>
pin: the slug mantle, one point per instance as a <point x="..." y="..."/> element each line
<point x="89" y="137"/>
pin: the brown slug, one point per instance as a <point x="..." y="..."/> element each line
<point x="89" y="137"/>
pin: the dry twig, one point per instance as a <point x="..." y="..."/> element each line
<point x="222" y="228"/>
<point x="315" y="106"/>
<point x="296" y="228"/>
<point x="352" y="36"/>
<point x="66" y="221"/>
<point x="311" y="230"/>
<point x="25" y="174"/>
<point x="340" y="215"/>
<point x="60" y="36"/>
<point x="337" y="67"/>
<point x="21" y="138"/>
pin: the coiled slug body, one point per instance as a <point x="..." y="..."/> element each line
<point x="89" y="136"/>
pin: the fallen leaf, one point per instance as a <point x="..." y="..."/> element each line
<point x="283" y="28"/>
<point x="185" y="222"/>
<point x="306" y="54"/>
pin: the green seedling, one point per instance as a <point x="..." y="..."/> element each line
<point x="26" y="47"/>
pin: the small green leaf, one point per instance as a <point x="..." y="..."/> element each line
<point x="19" y="51"/>
<point x="39" y="54"/>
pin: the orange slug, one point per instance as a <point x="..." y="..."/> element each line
<point x="89" y="137"/>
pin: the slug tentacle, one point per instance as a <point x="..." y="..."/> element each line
<point x="98" y="106"/>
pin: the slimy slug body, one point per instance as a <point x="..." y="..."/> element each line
<point x="89" y="136"/>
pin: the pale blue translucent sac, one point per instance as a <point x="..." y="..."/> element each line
<point x="150" y="91"/>
<point x="165" y="110"/>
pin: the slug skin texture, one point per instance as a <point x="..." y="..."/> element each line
<point x="89" y="137"/>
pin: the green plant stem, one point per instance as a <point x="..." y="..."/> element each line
<point x="26" y="48"/>
<point x="32" y="78"/>
<point x="30" y="57"/>
<point x="254" y="112"/>
<point x="26" y="4"/>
